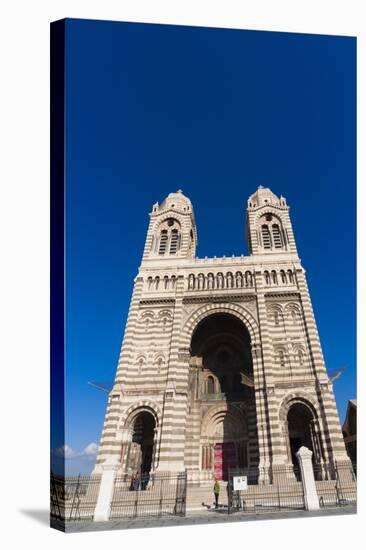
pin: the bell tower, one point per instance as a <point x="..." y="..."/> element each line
<point x="269" y="228"/>
<point x="172" y="230"/>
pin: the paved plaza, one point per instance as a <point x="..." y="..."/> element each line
<point x="199" y="518"/>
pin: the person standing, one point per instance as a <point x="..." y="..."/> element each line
<point x="133" y="480"/>
<point x="216" y="492"/>
<point x="229" y="490"/>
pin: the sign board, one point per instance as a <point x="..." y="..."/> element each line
<point x="240" y="483"/>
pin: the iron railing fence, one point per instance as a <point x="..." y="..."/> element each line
<point x="336" y="484"/>
<point x="280" y="490"/>
<point x="155" y="496"/>
<point x="74" y="498"/>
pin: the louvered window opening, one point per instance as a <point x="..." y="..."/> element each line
<point x="174" y="242"/>
<point x="266" y="237"/>
<point x="277" y="241"/>
<point x="163" y="242"/>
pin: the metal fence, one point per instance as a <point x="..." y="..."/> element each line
<point x="285" y="492"/>
<point x="155" y="496"/>
<point x="336" y="484"/>
<point x="74" y="498"/>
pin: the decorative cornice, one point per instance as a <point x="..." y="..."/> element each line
<point x="221" y="298"/>
<point x="282" y="295"/>
<point x="157" y="301"/>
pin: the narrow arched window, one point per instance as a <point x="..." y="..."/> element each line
<point x="281" y="358"/>
<point x="274" y="277"/>
<point x="159" y="364"/>
<point x="149" y="283"/>
<point x="276" y="233"/>
<point x="141" y="364"/>
<point x="174" y="242"/>
<point x="266" y="237"/>
<point x="300" y="357"/>
<point x="267" y="278"/>
<point x="166" y="282"/>
<point x="210" y="385"/>
<point x="174" y="280"/>
<point x="290" y="276"/>
<point x="157" y="281"/>
<point x="163" y="242"/>
<point x="283" y="277"/>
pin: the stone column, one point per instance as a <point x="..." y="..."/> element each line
<point x="103" y="508"/>
<point x="303" y="455"/>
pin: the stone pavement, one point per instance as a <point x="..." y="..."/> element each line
<point x="206" y="517"/>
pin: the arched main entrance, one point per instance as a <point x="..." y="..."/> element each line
<point x="300" y="421"/>
<point x="222" y="342"/>
<point x="142" y="446"/>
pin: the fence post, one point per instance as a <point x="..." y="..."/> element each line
<point x="303" y="456"/>
<point x="103" y="508"/>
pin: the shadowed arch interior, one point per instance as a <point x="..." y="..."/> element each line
<point x="223" y="343"/>
<point x="300" y="430"/>
<point x="142" y="446"/>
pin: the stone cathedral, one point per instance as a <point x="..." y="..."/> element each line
<point x="221" y="366"/>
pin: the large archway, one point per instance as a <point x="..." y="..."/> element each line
<point x="141" y="454"/>
<point x="300" y="422"/>
<point x="222" y="342"/>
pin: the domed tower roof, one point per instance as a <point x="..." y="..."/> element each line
<point x="263" y="196"/>
<point x="177" y="200"/>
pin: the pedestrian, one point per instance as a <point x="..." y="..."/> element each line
<point x="133" y="482"/>
<point x="216" y="490"/>
<point x="229" y="490"/>
<point x="137" y="482"/>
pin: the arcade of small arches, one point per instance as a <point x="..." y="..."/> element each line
<point x="161" y="283"/>
<point x="284" y="277"/>
<point x="211" y="281"/>
<point x="221" y="280"/>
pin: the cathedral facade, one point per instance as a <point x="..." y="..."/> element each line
<point x="221" y="366"/>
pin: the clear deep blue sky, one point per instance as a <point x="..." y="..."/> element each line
<point x="154" y="108"/>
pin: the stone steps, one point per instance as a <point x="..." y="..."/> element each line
<point x="203" y="498"/>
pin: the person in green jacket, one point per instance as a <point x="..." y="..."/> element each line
<point x="216" y="490"/>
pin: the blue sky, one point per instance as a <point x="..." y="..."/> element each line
<point x="153" y="108"/>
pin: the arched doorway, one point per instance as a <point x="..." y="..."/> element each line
<point x="142" y="446"/>
<point x="300" y="421"/>
<point x="222" y="342"/>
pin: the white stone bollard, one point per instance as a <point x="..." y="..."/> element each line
<point x="303" y="456"/>
<point x="103" y="508"/>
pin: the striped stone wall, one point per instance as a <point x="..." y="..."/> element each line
<point x="268" y="293"/>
